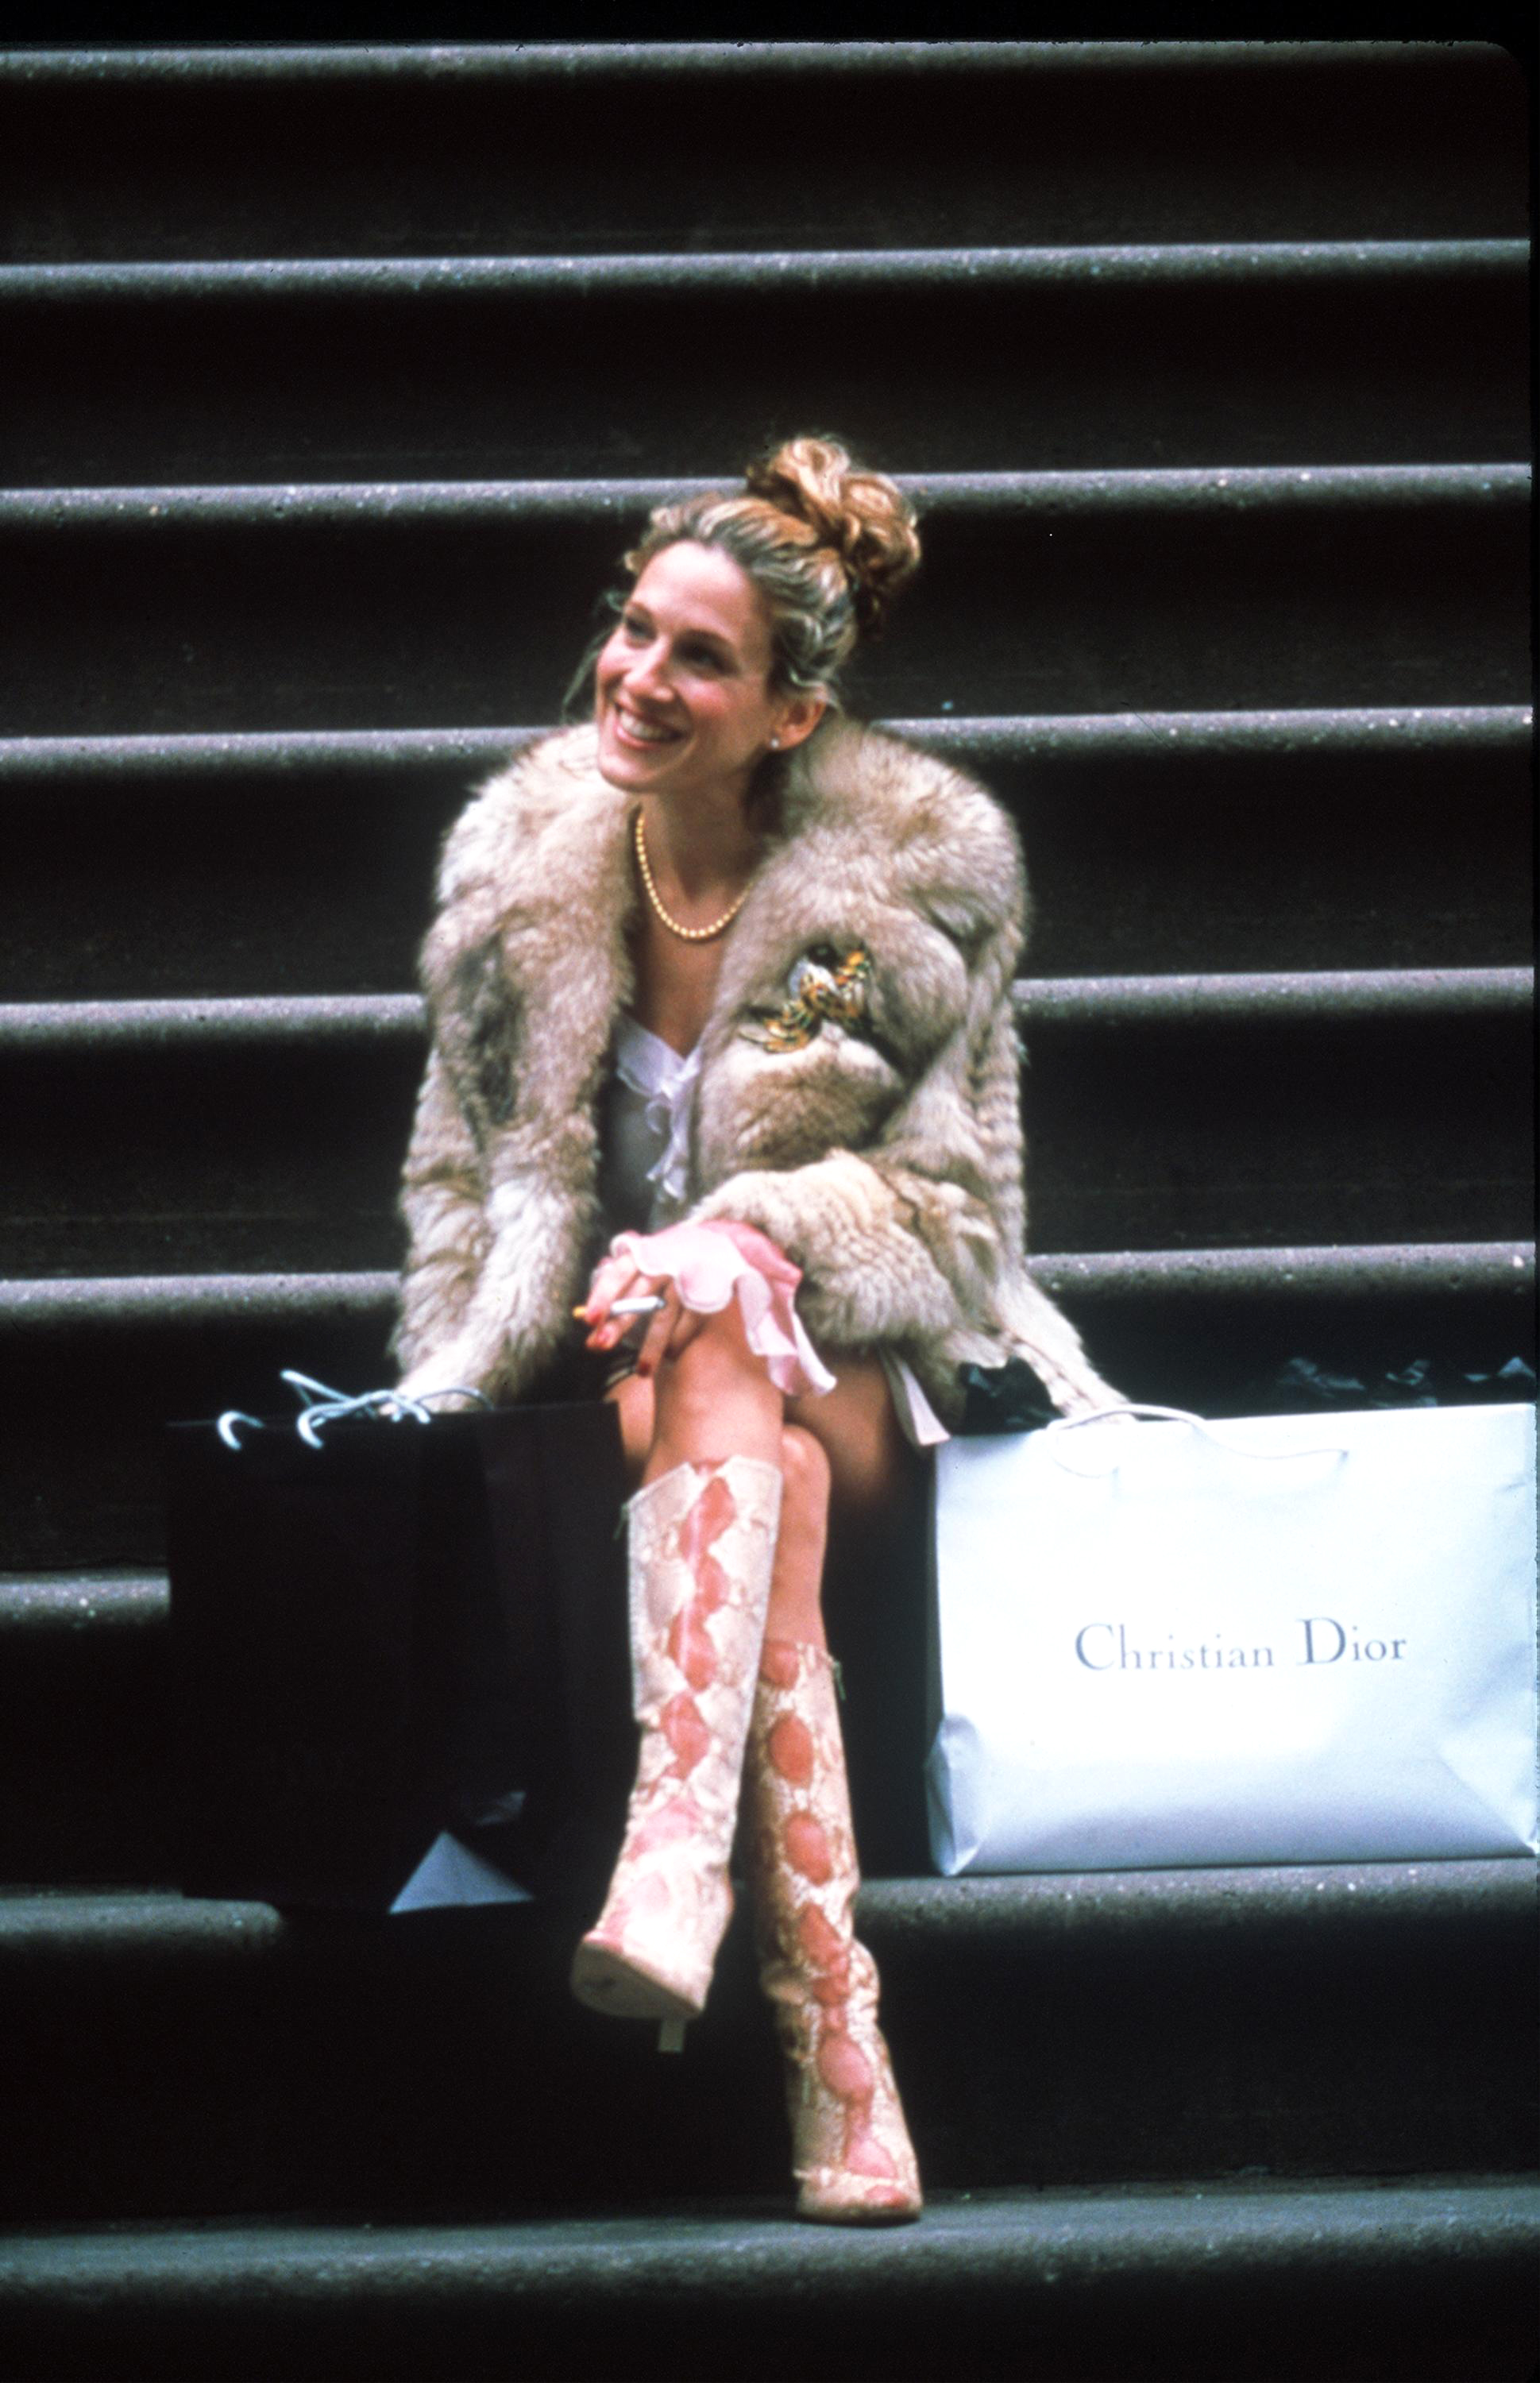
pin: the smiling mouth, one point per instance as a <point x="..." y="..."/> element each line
<point x="640" y="732"/>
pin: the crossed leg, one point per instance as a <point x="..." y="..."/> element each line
<point x="844" y="1449"/>
<point x="713" y="1400"/>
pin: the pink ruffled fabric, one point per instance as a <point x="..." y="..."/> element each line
<point x="712" y="1263"/>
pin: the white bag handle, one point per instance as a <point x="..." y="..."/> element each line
<point x="321" y="1406"/>
<point x="1131" y="1409"/>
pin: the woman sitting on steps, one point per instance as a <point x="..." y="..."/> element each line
<point x="722" y="979"/>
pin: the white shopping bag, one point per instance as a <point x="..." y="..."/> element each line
<point x="1295" y="1638"/>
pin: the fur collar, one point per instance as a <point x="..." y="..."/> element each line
<point x="538" y="888"/>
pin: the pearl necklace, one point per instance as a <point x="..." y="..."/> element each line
<point x="685" y="934"/>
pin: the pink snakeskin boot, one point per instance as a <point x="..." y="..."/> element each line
<point x="854" y="2162"/>
<point x="702" y="1545"/>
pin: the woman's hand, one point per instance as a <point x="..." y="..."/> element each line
<point x="697" y="1269"/>
<point x="701" y="1285"/>
<point x="613" y="1278"/>
<point x="670" y="1329"/>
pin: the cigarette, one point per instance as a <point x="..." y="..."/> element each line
<point x="651" y="1305"/>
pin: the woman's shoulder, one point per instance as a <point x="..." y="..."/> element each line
<point x="532" y="824"/>
<point x="937" y="835"/>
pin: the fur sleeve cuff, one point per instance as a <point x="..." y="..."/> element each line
<point x="870" y="1272"/>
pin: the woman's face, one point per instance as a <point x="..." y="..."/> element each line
<point x="682" y="692"/>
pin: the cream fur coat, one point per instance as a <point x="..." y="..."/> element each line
<point x="883" y="1152"/>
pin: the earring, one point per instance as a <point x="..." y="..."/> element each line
<point x="775" y="744"/>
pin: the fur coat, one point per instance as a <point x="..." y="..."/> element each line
<point x="857" y="1098"/>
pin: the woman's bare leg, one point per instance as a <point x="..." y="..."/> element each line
<point x="871" y="1464"/>
<point x="843" y="1450"/>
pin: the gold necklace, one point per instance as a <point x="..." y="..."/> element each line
<point x="685" y="934"/>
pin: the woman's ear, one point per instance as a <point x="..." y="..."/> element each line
<point x="803" y="712"/>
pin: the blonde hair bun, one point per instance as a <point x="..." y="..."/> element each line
<point x="827" y="545"/>
<point x="862" y="515"/>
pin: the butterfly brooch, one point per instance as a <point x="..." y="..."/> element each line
<point x="823" y="985"/>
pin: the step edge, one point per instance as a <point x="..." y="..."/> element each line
<point x="539" y="61"/>
<point x="1352" y="1269"/>
<point x="1040" y="735"/>
<point x="1112" y="266"/>
<point x="1309" y="995"/>
<point x="1217" y="490"/>
<point x="1054" y="2238"/>
<point x="41" y="1922"/>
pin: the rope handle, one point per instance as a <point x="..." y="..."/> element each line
<point x="1130" y="1410"/>
<point x="320" y="1405"/>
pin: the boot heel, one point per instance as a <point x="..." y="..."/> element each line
<point x="671" y="2036"/>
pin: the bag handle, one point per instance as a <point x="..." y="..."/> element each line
<point x="1129" y="1410"/>
<point x="321" y="1405"/>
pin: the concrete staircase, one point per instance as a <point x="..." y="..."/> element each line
<point x="334" y="381"/>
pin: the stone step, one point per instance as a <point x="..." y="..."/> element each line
<point x="102" y="1364"/>
<point x="1164" y="1112"/>
<point x="483" y="148"/>
<point x="169" y="2058"/>
<point x="1360" y="2283"/>
<point x="270" y="371"/>
<point x="409" y="605"/>
<point x="84" y="1726"/>
<point x="245" y="865"/>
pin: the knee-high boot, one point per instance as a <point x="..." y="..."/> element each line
<point x="854" y="2162"/>
<point x="702" y="1546"/>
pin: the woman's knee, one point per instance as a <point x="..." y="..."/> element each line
<point x="869" y="1461"/>
<point x="632" y="1402"/>
<point x="714" y="1397"/>
<point x="806" y="1481"/>
<point x="717" y="1354"/>
<point x="795" y="1607"/>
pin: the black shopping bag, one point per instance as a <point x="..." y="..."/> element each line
<point x="408" y="1629"/>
